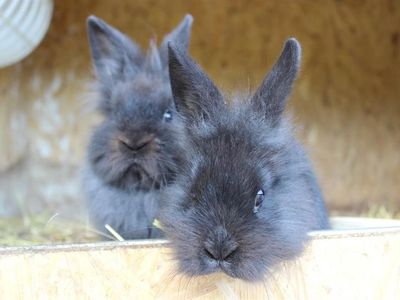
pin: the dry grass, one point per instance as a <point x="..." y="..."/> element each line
<point x="43" y="229"/>
<point x="380" y="211"/>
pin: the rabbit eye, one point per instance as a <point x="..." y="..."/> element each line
<point x="168" y="116"/>
<point x="258" y="200"/>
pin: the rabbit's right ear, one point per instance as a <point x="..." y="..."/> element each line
<point x="195" y="95"/>
<point x="114" y="55"/>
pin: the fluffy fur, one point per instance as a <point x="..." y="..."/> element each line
<point x="235" y="151"/>
<point x="138" y="148"/>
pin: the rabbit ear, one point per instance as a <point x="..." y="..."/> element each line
<point x="180" y="37"/>
<point x="196" y="97"/>
<point x="271" y="96"/>
<point x="114" y="55"/>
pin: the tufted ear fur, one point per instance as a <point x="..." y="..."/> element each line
<point x="271" y="97"/>
<point x="114" y="55"/>
<point x="196" y="97"/>
<point x="153" y="59"/>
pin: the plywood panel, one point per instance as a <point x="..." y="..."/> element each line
<point x="339" y="264"/>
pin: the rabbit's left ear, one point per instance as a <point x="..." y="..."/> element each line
<point x="179" y="37"/>
<point x="271" y="97"/>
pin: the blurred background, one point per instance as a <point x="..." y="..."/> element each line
<point x="346" y="101"/>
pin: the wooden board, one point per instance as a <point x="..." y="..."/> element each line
<point x="345" y="263"/>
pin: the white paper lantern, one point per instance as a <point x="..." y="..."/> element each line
<point x="23" y="24"/>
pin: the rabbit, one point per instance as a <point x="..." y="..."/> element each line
<point x="137" y="149"/>
<point x="247" y="196"/>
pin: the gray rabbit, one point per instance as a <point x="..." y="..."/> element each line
<point x="248" y="195"/>
<point x="137" y="150"/>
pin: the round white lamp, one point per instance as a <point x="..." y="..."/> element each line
<point x="23" y="24"/>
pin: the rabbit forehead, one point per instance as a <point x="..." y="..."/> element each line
<point x="231" y="187"/>
<point x="152" y="88"/>
<point x="231" y="167"/>
<point x="141" y="98"/>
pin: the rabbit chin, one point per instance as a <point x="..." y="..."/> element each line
<point x="235" y="270"/>
<point x="145" y="175"/>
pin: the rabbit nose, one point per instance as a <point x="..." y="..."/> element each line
<point x="220" y="246"/>
<point x="143" y="142"/>
<point x="220" y="254"/>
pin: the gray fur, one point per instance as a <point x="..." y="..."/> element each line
<point x="234" y="152"/>
<point x="136" y="151"/>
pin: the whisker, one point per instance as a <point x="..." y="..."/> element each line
<point x="170" y="279"/>
<point x="187" y="287"/>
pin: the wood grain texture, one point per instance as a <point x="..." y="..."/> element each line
<point x="346" y="100"/>
<point x="349" y="263"/>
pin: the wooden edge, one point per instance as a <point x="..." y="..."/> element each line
<point x="349" y="233"/>
<point x="140" y="244"/>
<point x="372" y="227"/>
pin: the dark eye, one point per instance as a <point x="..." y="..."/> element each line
<point x="168" y="116"/>
<point x="258" y="200"/>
